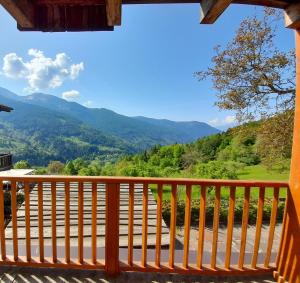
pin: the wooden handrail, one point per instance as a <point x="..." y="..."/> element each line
<point x="146" y="180"/>
<point x="79" y="192"/>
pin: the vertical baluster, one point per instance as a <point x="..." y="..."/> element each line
<point x="259" y="219"/>
<point x="173" y="225"/>
<point x="67" y="222"/>
<point x="80" y="222"/>
<point x="158" y="224"/>
<point x="230" y="223"/>
<point x="187" y="225"/>
<point x="145" y="225"/>
<point x="216" y="226"/>
<point x="272" y="226"/>
<point x="53" y="221"/>
<point x="244" y="227"/>
<point x="41" y="221"/>
<point x="27" y="221"/>
<point x="2" y="223"/>
<point x="130" y="223"/>
<point x="14" y="219"/>
<point x="94" y="222"/>
<point x="112" y="217"/>
<point x="202" y="213"/>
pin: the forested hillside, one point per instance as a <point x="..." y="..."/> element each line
<point x="140" y="132"/>
<point x="225" y="155"/>
<point x="40" y="135"/>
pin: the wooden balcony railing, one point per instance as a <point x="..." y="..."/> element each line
<point x="5" y="161"/>
<point x="85" y="253"/>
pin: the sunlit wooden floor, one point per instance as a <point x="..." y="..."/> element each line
<point x="33" y="275"/>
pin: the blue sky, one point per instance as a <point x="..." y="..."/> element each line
<point x="145" y="67"/>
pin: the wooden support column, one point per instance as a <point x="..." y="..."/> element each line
<point x="292" y="16"/>
<point x="112" y="265"/>
<point x="288" y="261"/>
<point x="21" y="10"/>
<point x="212" y="9"/>
<point x="113" y="12"/>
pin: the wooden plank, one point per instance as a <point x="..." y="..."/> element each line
<point x="202" y="213"/>
<point x="112" y="229"/>
<point x="21" y="10"/>
<point x="14" y="219"/>
<point x="292" y="16"/>
<point x="273" y="220"/>
<point x="215" y="227"/>
<point x="259" y="219"/>
<point x="145" y="225"/>
<point x="230" y="223"/>
<point x="67" y="222"/>
<point x="41" y="221"/>
<point x="80" y="222"/>
<point x="2" y="221"/>
<point x="27" y="221"/>
<point x="245" y="219"/>
<point x="94" y="223"/>
<point x="187" y="226"/>
<point x="70" y="2"/>
<point x="212" y="9"/>
<point x="158" y="225"/>
<point x="130" y="223"/>
<point x="53" y="214"/>
<point x="173" y="226"/>
<point x="113" y="12"/>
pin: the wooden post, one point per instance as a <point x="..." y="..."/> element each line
<point x="288" y="262"/>
<point x="112" y="265"/>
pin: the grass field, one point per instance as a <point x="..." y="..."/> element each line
<point x="257" y="172"/>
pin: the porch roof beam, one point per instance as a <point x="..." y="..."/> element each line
<point x="212" y="9"/>
<point x="21" y="10"/>
<point x="292" y="16"/>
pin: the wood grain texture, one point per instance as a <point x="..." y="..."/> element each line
<point x="259" y="219"/>
<point x="2" y="225"/>
<point x="23" y="11"/>
<point x="202" y="214"/>
<point x="41" y="221"/>
<point x="230" y="224"/>
<point x="187" y="226"/>
<point x="158" y="224"/>
<point x="215" y="227"/>
<point x="112" y="229"/>
<point x="212" y="9"/>
<point x="245" y="219"/>
<point x="292" y="16"/>
<point x="27" y="221"/>
<point x="173" y="226"/>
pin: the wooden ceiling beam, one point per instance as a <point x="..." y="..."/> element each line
<point x="292" y="16"/>
<point x="282" y="4"/>
<point x="113" y="12"/>
<point x="21" y="10"/>
<point x="70" y="2"/>
<point x="212" y="9"/>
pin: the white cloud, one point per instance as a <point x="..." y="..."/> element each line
<point x="88" y="103"/>
<point x="41" y="72"/>
<point x="70" y="95"/>
<point x="228" y="120"/>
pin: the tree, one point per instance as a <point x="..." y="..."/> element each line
<point x="255" y="79"/>
<point x="55" y="167"/>
<point x="22" y="164"/>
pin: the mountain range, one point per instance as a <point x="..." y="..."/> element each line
<point x="44" y="127"/>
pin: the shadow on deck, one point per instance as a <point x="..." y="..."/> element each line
<point x="32" y="275"/>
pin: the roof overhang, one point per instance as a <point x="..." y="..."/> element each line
<point x="103" y="15"/>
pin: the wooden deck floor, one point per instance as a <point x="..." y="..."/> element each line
<point x="60" y="219"/>
<point x="41" y="275"/>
